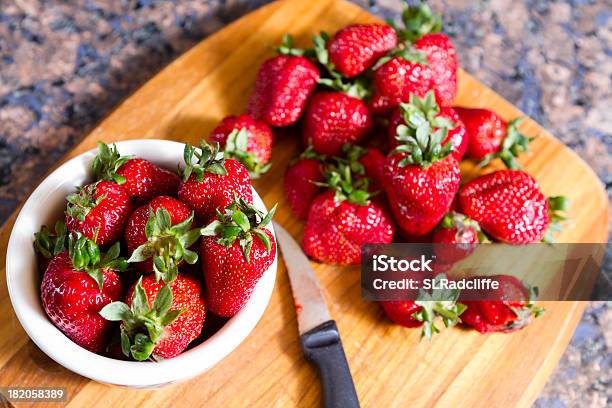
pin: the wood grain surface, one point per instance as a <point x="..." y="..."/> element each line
<point x="390" y="366"/>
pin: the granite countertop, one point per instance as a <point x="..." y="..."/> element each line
<point x="64" y="65"/>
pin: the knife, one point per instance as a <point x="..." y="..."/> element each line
<point x="319" y="335"/>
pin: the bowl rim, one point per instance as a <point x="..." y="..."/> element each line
<point x="105" y="369"/>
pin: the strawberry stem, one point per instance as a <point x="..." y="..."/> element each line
<point x="87" y="257"/>
<point x="557" y="206"/>
<point x="50" y="243"/>
<point x="439" y="303"/>
<point x="167" y="244"/>
<point x="418" y="21"/>
<point x="236" y="148"/>
<point x="204" y="159"/>
<point x="106" y="163"/>
<point x="142" y="324"/>
<point x="423" y="134"/>
<point x="512" y="146"/>
<point x="240" y="221"/>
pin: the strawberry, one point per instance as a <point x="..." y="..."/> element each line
<point x="437" y="116"/>
<point x="246" y="140"/>
<point x="512" y="309"/>
<point x="333" y="119"/>
<point x="236" y="250"/>
<point x="357" y="47"/>
<point x="344" y="218"/>
<point x="458" y="235"/>
<point x="398" y="78"/>
<point x="300" y="183"/>
<point x="141" y="179"/>
<point x="99" y="211"/>
<point x="510" y="207"/>
<point x="490" y="137"/>
<point x="456" y="228"/>
<point x="158" y="236"/>
<point x="211" y="181"/>
<point x="421" y="177"/>
<point x="368" y="161"/>
<point x="49" y="243"/>
<point x="158" y="320"/>
<point x="426" y="309"/>
<point x="78" y="283"/>
<point x="283" y="85"/>
<point x="421" y="33"/>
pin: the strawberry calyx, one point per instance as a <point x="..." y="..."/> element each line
<point x="142" y="325"/>
<point x="50" y="243"/>
<point x="513" y="144"/>
<point x="357" y="88"/>
<point x="236" y="148"/>
<point x="286" y="47"/>
<point x="461" y="222"/>
<point x="203" y="159"/>
<point x="83" y="201"/>
<point x="406" y="52"/>
<point x="526" y="311"/>
<point x="240" y="221"/>
<point x="167" y="244"/>
<point x="353" y="153"/>
<point x="423" y="133"/>
<point x="87" y="257"/>
<point x="107" y="162"/>
<point x="417" y="21"/>
<point x="340" y="179"/>
<point x="439" y="303"/>
<point x="309" y="154"/>
<point x="557" y="206"/>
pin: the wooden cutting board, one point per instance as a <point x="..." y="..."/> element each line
<point x="389" y="364"/>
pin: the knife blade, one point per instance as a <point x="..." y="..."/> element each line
<point x="319" y="335"/>
<point x="310" y="305"/>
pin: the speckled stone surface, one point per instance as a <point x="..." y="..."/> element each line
<point x="64" y="65"/>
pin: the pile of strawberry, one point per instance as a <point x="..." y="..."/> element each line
<point x="382" y="146"/>
<point x="145" y="254"/>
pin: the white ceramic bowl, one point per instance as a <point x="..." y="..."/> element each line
<point x="46" y="205"/>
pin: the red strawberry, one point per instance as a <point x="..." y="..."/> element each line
<point x="512" y="308"/>
<point x="490" y="136"/>
<point x="247" y="140"/>
<point x="211" y="182"/>
<point x="341" y="220"/>
<point x="456" y="228"/>
<point x="457" y="134"/>
<point x="426" y="309"/>
<point x="99" y="211"/>
<point x="357" y="47"/>
<point x="158" y="236"/>
<point x="49" y="243"/>
<point x="283" y="85"/>
<point x="442" y="58"/>
<point x="76" y="285"/>
<point x="300" y="182"/>
<point x="459" y="234"/>
<point x="421" y="28"/>
<point x="236" y="250"/>
<point x="333" y="119"/>
<point x="158" y="320"/>
<point x="396" y="80"/>
<point x="510" y="207"/>
<point x="141" y="179"/>
<point x="421" y="179"/>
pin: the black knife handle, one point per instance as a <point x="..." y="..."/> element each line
<point x="323" y="347"/>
